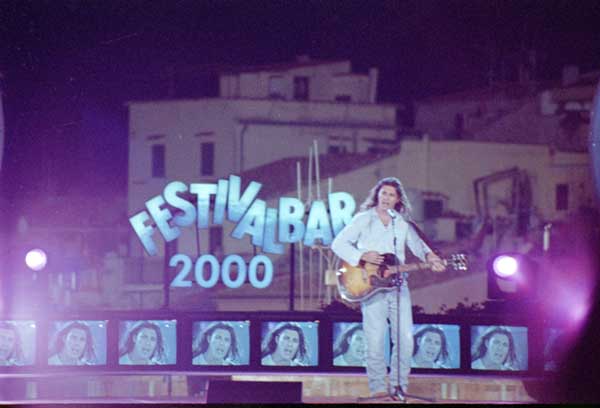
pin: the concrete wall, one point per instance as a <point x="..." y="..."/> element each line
<point x="449" y="293"/>
<point x="240" y="143"/>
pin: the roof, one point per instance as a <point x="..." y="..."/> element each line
<point x="519" y="120"/>
<point x="526" y="124"/>
<point x="320" y="123"/>
<point x="284" y="66"/>
<point x="280" y="176"/>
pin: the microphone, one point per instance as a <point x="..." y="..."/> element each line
<point x="392" y="213"/>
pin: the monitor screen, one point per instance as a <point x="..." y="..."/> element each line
<point x="77" y="343"/>
<point x="147" y="342"/>
<point x="436" y="346"/>
<point x="290" y="344"/>
<point x="221" y="343"/>
<point x="17" y="342"/>
<point x="499" y="348"/>
<point x="350" y="345"/>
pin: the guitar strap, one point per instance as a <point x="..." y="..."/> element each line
<point x="420" y="233"/>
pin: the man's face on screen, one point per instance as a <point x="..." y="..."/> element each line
<point x="498" y="346"/>
<point x="145" y="343"/>
<point x="75" y="342"/>
<point x="219" y="343"/>
<point x="288" y="342"/>
<point x="357" y="346"/>
<point x="430" y="346"/>
<point x="8" y="340"/>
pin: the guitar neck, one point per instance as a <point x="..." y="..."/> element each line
<point x="418" y="266"/>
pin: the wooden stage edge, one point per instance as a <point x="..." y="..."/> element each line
<point x="323" y="388"/>
<point x="347" y="388"/>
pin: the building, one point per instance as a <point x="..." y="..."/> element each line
<point x="555" y="113"/>
<point x="263" y="114"/>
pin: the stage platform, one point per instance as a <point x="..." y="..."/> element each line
<point x="338" y="388"/>
<point x="452" y="389"/>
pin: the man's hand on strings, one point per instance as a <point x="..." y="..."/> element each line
<point x="372" y="257"/>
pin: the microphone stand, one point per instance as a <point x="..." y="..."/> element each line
<point x="398" y="394"/>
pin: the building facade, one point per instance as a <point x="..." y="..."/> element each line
<point x="263" y="114"/>
<point x="266" y="120"/>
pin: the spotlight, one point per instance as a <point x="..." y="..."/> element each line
<point x="505" y="266"/>
<point x="36" y="259"/>
<point x="512" y="276"/>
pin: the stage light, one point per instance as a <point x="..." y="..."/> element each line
<point x="36" y="259"/>
<point x="505" y="266"/>
<point x="512" y="276"/>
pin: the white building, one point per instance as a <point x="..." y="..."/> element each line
<point x="553" y="113"/>
<point x="263" y="114"/>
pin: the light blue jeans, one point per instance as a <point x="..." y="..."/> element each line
<point x="376" y="311"/>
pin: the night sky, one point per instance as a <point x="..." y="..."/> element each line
<point x="70" y="66"/>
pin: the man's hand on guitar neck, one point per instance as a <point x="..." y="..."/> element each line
<point x="437" y="265"/>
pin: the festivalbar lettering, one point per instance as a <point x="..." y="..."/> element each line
<point x="269" y="228"/>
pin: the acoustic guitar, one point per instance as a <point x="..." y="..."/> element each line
<point x="358" y="283"/>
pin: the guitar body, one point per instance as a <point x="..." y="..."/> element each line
<point x="359" y="283"/>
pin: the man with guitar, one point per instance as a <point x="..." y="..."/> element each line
<point x="380" y="228"/>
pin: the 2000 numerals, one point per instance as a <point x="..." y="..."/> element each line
<point x="222" y="271"/>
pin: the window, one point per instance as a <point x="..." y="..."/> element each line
<point x="432" y="208"/>
<point x="463" y="229"/>
<point x="215" y="241"/>
<point x="276" y="87"/>
<point x="301" y="88"/>
<point x="207" y="159"/>
<point x="158" y="160"/>
<point x="562" y="197"/>
<point x="170" y="250"/>
<point x="343" y="98"/>
<point x="457" y="132"/>
<point x="337" y="149"/>
<point x="376" y="150"/>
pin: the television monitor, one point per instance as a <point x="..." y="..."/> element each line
<point x="436" y="346"/>
<point x="349" y="345"/>
<point x="221" y="343"/>
<point x="17" y="342"/>
<point x="496" y="348"/>
<point x="290" y="343"/>
<point x="77" y="343"/>
<point x="147" y="342"/>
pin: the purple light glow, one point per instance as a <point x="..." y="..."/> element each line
<point x="579" y="312"/>
<point x="36" y="259"/>
<point x="505" y="266"/>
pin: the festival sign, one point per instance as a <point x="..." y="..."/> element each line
<point x="269" y="228"/>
